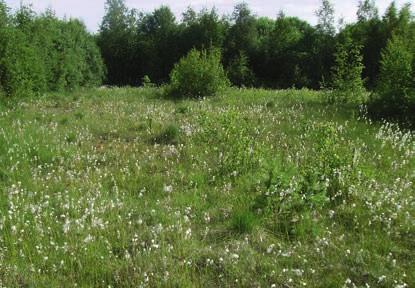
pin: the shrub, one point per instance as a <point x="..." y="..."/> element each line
<point x="347" y="73"/>
<point x="197" y="75"/>
<point x="395" y="95"/>
<point x="235" y="137"/>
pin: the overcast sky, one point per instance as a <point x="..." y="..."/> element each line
<point x="91" y="11"/>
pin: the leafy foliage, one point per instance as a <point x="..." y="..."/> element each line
<point x="395" y="97"/>
<point x="239" y="72"/>
<point x="202" y="30"/>
<point x="347" y="73"/>
<point x="367" y="10"/>
<point x="326" y="18"/>
<point x="198" y="75"/>
<point x="21" y="69"/>
<point x="40" y="53"/>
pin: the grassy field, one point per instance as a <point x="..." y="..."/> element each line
<point x="122" y="188"/>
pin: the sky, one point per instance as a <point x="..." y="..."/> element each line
<point x="92" y="11"/>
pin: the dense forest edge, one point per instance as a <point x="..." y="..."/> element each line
<point x="40" y="53"/>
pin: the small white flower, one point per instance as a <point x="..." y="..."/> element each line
<point x="168" y="188"/>
<point x="88" y="239"/>
<point x="188" y="234"/>
<point x="381" y="278"/>
<point x="66" y="226"/>
<point x="297" y="272"/>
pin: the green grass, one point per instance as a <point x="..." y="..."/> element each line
<point x="255" y="188"/>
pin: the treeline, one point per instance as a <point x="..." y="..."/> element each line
<point x="256" y="51"/>
<point x="41" y="53"/>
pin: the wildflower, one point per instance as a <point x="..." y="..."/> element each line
<point x="88" y="239"/>
<point x="235" y="256"/>
<point x="66" y="226"/>
<point x="168" y="188"/>
<point x="188" y="234"/>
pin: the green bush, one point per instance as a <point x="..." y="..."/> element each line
<point x="21" y="68"/>
<point x="198" y="75"/>
<point x="347" y="73"/>
<point x="395" y="95"/>
<point x="235" y="137"/>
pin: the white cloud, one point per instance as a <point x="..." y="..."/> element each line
<point x="91" y="11"/>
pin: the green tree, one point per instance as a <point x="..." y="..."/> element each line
<point x="323" y="44"/>
<point x="368" y="32"/>
<point x="116" y="41"/>
<point x="326" y="18"/>
<point x="21" y="69"/>
<point x="288" y="51"/>
<point x="158" y="34"/>
<point x="347" y="73"/>
<point x="197" y="75"/>
<point x="367" y="10"/>
<point x="40" y="53"/>
<point x="242" y="35"/>
<point x="395" y="97"/>
<point x="202" y="31"/>
<point x="239" y="72"/>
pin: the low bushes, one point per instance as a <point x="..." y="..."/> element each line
<point x="198" y="75"/>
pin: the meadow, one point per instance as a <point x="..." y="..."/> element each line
<point x="120" y="187"/>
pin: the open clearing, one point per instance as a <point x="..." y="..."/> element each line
<point x="122" y="188"/>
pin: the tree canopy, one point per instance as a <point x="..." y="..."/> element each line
<point x="40" y="53"/>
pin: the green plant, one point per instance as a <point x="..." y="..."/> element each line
<point x="22" y="72"/>
<point x="169" y="135"/>
<point x="182" y="109"/>
<point x="243" y="221"/>
<point x="330" y="164"/>
<point x="395" y="95"/>
<point x="234" y="140"/>
<point x="198" y="75"/>
<point x="40" y="53"/>
<point x="347" y="73"/>
<point x="239" y="72"/>
<point x="146" y="82"/>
